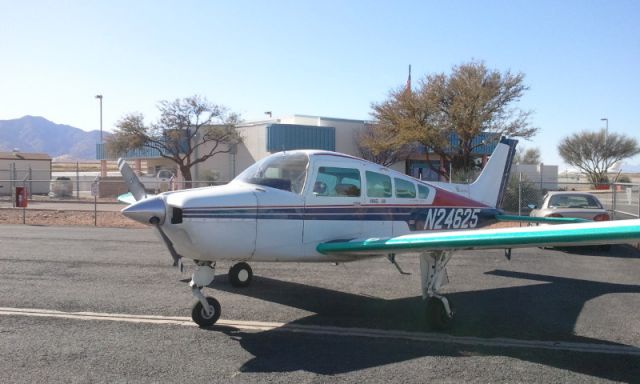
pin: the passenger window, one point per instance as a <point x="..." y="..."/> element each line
<point x="405" y="189"/>
<point x="423" y="192"/>
<point x="334" y="181"/>
<point x="378" y="185"/>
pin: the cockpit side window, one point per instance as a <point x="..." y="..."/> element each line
<point x="378" y="185"/>
<point x="285" y="171"/>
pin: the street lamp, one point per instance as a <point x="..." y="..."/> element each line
<point x="100" y="97"/>
<point x="103" y="161"/>
<point x="606" y="131"/>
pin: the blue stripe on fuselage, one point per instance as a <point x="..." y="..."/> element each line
<point x="417" y="217"/>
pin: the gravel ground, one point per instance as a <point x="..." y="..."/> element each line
<point x="66" y="217"/>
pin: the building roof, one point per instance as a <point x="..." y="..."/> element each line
<point x="24" y="156"/>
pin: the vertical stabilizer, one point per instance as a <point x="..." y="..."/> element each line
<point x="490" y="186"/>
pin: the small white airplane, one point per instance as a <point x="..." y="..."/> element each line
<point x="321" y="206"/>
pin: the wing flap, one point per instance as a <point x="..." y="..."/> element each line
<point x="592" y="233"/>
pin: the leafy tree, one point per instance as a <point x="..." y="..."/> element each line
<point x="527" y="156"/>
<point x="595" y="152"/>
<point x="380" y="146"/>
<point x="468" y="102"/>
<point x="189" y="131"/>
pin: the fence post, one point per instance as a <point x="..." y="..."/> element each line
<point x="30" y="183"/>
<point x="520" y="194"/>
<point x="614" y="200"/>
<point x="94" y="191"/>
<point x="13" y="177"/>
<point x="24" y="206"/>
<point x="77" y="180"/>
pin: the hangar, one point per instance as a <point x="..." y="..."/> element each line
<point x="264" y="137"/>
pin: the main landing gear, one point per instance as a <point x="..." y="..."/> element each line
<point x="439" y="310"/>
<point x="240" y="275"/>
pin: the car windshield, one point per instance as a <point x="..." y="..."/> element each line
<point x="286" y="171"/>
<point x="573" y="201"/>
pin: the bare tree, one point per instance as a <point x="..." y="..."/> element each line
<point x="189" y="131"/>
<point x="595" y="152"/>
<point x="471" y="101"/>
<point x="381" y="146"/>
<point x="527" y="156"/>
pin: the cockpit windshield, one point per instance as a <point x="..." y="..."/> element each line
<point x="286" y="171"/>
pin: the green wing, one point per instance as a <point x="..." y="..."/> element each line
<point x="592" y="233"/>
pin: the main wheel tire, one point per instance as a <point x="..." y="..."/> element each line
<point x="199" y="315"/>
<point x="240" y="275"/>
<point x="437" y="315"/>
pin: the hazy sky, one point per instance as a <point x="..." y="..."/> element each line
<point x="581" y="59"/>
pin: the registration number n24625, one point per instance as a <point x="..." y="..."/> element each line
<point x="451" y="218"/>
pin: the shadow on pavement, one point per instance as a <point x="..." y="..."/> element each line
<point x="546" y="310"/>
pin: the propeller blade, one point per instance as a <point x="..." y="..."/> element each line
<point x="133" y="183"/>
<point x="177" y="259"/>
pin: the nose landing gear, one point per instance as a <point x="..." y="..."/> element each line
<point x="206" y="311"/>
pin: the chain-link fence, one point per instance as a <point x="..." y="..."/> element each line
<point x="622" y="200"/>
<point x="72" y="198"/>
<point x="84" y="191"/>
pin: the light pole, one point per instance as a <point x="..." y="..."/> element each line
<point x="606" y="131"/>
<point x="100" y="98"/>
<point x="103" y="161"/>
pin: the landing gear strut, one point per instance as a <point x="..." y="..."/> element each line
<point x="206" y="311"/>
<point x="240" y="275"/>
<point x="439" y="310"/>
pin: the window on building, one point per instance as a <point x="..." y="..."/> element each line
<point x="335" y="181"/>
<point x="378" y="185"/>
<point x="405" y="189"/>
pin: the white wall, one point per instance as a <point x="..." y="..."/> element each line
<point x="533" y="173"/>
<point x="40" y="172"/>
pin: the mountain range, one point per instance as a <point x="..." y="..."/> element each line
<point x="37" y="134"/>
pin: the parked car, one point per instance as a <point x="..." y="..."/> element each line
<point x="61" y="187"/>
<point x="158" y="182"/>
<point x="582" y="205"/>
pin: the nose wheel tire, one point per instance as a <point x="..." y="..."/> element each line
<point x="200" y="315"/>
<point x="437" y="315"/>
<point x="240" y="275"/>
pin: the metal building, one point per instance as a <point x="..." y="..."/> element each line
<point x="21" y="168"/>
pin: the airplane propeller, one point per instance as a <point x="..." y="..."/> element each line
<point x="147" y="209"/>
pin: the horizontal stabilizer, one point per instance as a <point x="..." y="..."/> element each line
<point x="545" y="220"/>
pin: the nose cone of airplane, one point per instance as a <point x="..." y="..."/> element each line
<point x="147" y="211"/>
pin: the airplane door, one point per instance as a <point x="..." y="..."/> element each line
<point x="280" y="223"/>
<point x="333" y="205"/>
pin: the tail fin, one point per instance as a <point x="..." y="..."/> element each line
<point x="490" y="186"/>
<point x="133" y="183"/>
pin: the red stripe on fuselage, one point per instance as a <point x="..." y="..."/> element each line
<point x="451" y="199"/>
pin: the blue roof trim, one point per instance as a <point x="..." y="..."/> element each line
<point x="287" y="137"/>
<point x="486" y="142"/>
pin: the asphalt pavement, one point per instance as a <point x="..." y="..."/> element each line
<point x="104" y="305"/>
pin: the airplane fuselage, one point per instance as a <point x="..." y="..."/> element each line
<point x="283" y="210"/>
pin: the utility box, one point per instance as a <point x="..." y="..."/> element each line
<point x="21" y="197"/>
